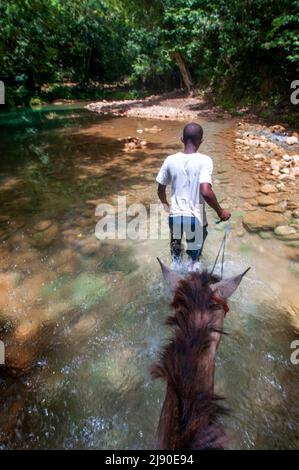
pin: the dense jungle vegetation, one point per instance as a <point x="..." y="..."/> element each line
<point x="242" y="51"/>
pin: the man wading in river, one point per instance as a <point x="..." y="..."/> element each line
<point x="190" y="176"/>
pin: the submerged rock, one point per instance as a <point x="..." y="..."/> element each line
<point x="84" y="327"/>
<point x="45" y="237"/>
<point x="42" y="225"/>
<point x="26" y="330"/>
<point x="265" y="235"/>
<point x="292" y="243"/>
<point x="133" y="143"/>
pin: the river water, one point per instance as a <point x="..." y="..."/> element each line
<point x="84" y="318"/>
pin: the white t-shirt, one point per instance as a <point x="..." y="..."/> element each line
<point x="185" y="172"/>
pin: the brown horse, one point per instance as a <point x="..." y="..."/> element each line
<point x="190" y="414"/>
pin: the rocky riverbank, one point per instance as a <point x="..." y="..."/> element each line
<point x="271" y="155"/>
<point x="171" y="106"/>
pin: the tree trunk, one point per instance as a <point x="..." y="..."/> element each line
<point x="184" y="71"/>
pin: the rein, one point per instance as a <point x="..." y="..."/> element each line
<point x="222" y="247"/>
<point x="215" y="296"/>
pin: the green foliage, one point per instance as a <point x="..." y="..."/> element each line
<point x="46" y="41"/>
<point x="245" y="50"/>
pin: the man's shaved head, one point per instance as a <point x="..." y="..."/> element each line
<point x="192" y="133"/>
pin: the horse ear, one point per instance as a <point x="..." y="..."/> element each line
<point x="171" y="277"/>
<point x="227" y="287"/>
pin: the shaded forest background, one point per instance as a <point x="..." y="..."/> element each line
<point x="241" y="51"/>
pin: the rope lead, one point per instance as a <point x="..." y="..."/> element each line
<point x="222" y="247"/>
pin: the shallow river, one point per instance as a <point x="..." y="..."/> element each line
<point x="85" y="318"/>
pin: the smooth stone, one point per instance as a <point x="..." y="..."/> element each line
<point x="284" y="230"/>
<point x="260" y="156"/>
<point x="265" y="200"/>
<point x="265" y="235"/>
<point x="281" y="187"/>
<point x="26" y="330"/>
<point x="45" y="238"/>
<point x="290" y="237"/>
<point x="91" y="248"/>
<point x="292" y="205"/>
<point x="258" y="220"/>
<point x="268" y="188"/>
<point x="291" y="140"/>
<point x="67" y="262"/>
<point x="42" y="225"/>
<point x="274" y="208"/>
<point x="295" y="213"/>
<point x="84" y="326"/>
<point x="240" y="234"/>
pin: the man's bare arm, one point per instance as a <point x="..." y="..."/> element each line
<point x="162" y="195"/>
<point x="211" y="199"/>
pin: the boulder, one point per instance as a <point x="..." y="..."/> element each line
<point x="265" y="200"/>
<point x="284" y="230"/>
<point x="26" y="330"/>
<point x="277" y="128"/>
<point x="281" y="187"/>
<point x="44" y="238"/>
<point x="291" y="140"/>
<point x="294" y="236"/>
<point x="268" y="189"/>
<point x="286" y="233"/>
<point x="258" y="220"/>
<point x="275" y="208"/>
<point x="260" y="156"/>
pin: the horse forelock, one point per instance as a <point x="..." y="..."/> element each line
<point x="193" y="292"/>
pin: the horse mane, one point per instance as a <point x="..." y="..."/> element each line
<point x="189" y="416"/>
